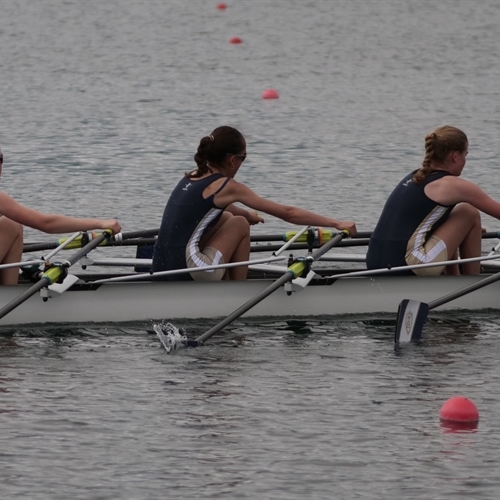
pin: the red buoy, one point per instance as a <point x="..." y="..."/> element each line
<point x="459" y="409"/>
<point x="270" y="94"/>
<point x="235" y="39"/>
<point x="221" y="6"/>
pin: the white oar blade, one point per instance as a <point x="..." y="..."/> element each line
<point x="410" y="321"/>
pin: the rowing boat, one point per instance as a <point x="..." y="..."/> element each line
<point x="148" y="300"/>
<point x="101" y="298"/>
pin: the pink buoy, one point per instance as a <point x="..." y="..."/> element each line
<point x="235" y="39"/>
<point x="270" y="94"/>
<point x="459" y="409"/>
<point x="221" y="6"/>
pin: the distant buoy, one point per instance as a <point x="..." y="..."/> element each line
<point x="221" y="6"/>
<point x="459" y="409"/>
<point x="235" y="39"/>
<point x="270" y="94"/>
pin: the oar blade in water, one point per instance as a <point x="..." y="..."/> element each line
<point x="410" y="321"/>
<point x="172" y="338"/>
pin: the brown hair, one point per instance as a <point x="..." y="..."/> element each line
<point x="214" y="147"/>
<point x="438" y="145"/>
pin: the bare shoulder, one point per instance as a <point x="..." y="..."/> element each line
<point x="452" y="190"/>
<point x="449" y="182"/>
<point x="6" y="199"/>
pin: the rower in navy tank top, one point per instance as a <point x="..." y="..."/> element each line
<point x="403" y="234"/>
<point x="201" y="224"/>
<point x="178" y="244"/>
<point x="433" y="215"/>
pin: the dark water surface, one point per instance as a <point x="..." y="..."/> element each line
<point x="103" y="105"/>
<point x="275" y="409"/>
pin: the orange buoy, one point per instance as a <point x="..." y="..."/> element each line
<point x="270" y="94"/>
<point x="459" y="409"/>
<point x="235" y="39"/>
<point x="221" y="6"/>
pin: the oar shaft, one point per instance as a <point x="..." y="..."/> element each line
<point x="362" y="242"/>
<point x="51" y="275"/>
<point x="464" y="291"/>
<point x="286" y="236"/>
<point x="141" y="237"/>
<point x="359" y="235"/>
<point x="63" y="245"/>
<point x="293" y="271"/>
<point x="113" y="241"/>
<point x="86" y="249"/>
<point x="288" y="276"/>
<point x="23" y="297"/>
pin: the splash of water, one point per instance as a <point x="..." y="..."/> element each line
<point x="171" y="338"/>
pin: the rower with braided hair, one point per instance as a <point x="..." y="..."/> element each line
<point x="433" y="215"/>
<point x="202" y="226"/>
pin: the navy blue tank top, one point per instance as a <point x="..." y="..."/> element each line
<point x="406" y="211"/>
<point x="186" y="214"/>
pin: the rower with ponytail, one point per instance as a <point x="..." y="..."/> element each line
<point x="433" y="215"/>
<point x="202" y="225"/>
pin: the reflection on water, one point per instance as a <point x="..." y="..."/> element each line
<point x="458" y="427"/>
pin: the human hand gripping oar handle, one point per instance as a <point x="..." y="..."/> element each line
<point x="293" y="271"/>
<point x="413" y="314"/>
<point x="53" y="274"/>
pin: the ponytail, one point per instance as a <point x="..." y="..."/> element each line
<point x="213" y="149"/>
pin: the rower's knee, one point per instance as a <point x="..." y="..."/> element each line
<point x="11" y="249"/>
<point x="469" y="213"/>
<point x="236" y="222"/>
<point x="10" y="230"/>
<point x="242" y="224"/>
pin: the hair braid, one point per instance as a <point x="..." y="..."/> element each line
<point x="438" y="145"/>
<point x="426" y="167"/>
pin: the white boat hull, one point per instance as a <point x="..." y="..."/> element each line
<point x="147" y="301"/>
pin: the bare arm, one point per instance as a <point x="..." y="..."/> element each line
<point x="51" y="223"/>
<point x="250" y="215"/>
<point x="235" y="192"/>
<point x="455" y="190"/>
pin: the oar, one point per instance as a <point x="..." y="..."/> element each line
<point x="22" y="263"/>
<point x="149" y="275"/>
<point x="260" y="247"/>
<point x="54" y="273"/>
<point x="292" y="240"/>
<point x="397" y="269"/>
<point x="86" y="237"/>
<point x="128" y="239"/>
<point x="412" y="313"/>
<point x="326" y="234"/>
<point x="293" y="271"/>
